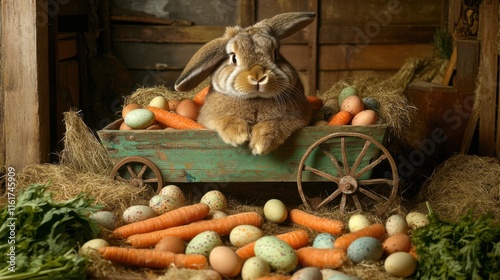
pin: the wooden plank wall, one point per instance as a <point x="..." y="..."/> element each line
<point x="348" y="39"/>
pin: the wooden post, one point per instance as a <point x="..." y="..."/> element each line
<point x="24" y="81"/>
<point x="313" y="49"/>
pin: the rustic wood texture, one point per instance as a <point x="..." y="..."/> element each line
<point x="24" y="82"/>
<point x="467" y="65"/>
<point x="201" y="156"/>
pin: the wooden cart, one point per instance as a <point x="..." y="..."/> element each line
<point x="344" y="156"/>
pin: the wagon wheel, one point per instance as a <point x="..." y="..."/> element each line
<point x="134" y="170"/>
<point x="348" y="181"/>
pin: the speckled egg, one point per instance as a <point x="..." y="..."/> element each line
<point x="275" y="211"/>
<point x="416" y="220"/>
<point x="400" y="242"/>
<point x="400" y="264"/>
<point x="105" y="219"/>
<point x="371" y="103"/>
<point x="357" y="222"/>
<point x="137" y="213"/>
<point x="307" y="273"/>
<point x="203" y="243"/>
<point x="255" y="267"/>
<point x="396" y="224"/>
<point x="139" y="118"/>
<point x="346" y="92"/>
<point x="324" y="241"/>
<point x="215" y="200"/>
<point x="277" y="253"/>
<point x="243" y="234"/>
<point x="352" y="104"/>
<point x="174" y="192"/>
<point x="212" y="215"/>
<point x="343" y="276"/>
<point x="365" y="248"/>
<point x="163" y="203"/>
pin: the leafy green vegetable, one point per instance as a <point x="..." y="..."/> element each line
<point x="40" y="236"/>
<point x="468" y="249"/>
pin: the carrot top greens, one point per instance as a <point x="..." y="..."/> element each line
<point x="40" y="236"/>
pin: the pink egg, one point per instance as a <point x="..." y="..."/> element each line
<point x="352" y="104"/>
<point x="366" y="117"/>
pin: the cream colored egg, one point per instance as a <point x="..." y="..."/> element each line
<point x="203" y="243"/>
<point x="254" y="268"/>
<point x="307" y="273"/>
<point x="163" y="203"/>
<point x="174" y="192"/>
<point x="139" y="118"/>
<point x="90" y="247"/>
<point x="243" y="234"/>
<point x="137" y="213"/>
<point x="159" y="102"/>
<point x="215" y="200"/>
<point x="212" y="215"/>
<point x="275" y="211"/>
<point x="225" y="261"/>
<point x="106" y="219"/>
<point x="396" y="224"/>
<point x="357" y="222"/>
<point x="400" y="264"/>
<point x="416" y="220"/>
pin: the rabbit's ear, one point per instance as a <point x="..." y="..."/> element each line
<point x="202" y="64"/>
<point x="284" y="25"/>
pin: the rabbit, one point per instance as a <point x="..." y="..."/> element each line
<point x="255" y="95"/>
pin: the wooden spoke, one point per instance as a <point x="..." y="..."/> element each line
<point x="371" y="194"/>
<point x="356" y="202"/>
<point x="375" y="182"/>
<point x="131" y="171"/>
<point x="322" y="174"/>
<point x="343" y="202"/>
<point x="141" y="173"/>
<point x="334" y="162"/>
<point x="360" y="157"/>
<point x="148" y="172"/>
<point x="370" y="166"/>
<point x="329" y="198"/>
<point x="344" y="155"/>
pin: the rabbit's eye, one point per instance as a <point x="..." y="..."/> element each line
<point x="233" y="59"/>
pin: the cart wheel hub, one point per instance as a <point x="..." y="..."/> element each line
<point x="348" y="184"/>
<point x="136" y="182"/>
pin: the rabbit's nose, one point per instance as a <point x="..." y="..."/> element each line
<point x="257" y="76"/>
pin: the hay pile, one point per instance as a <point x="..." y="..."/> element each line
<point x="463" y="183"/>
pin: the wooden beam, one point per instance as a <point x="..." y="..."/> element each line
<point x="312" y="72"/>
<point x="24" y="81"/>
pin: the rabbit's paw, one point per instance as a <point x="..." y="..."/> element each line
<point x="234" y="132"/>
<point x="264" y="139"/>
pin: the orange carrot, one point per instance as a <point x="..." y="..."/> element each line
<point x="315" y="102"/>
<point x="413" y="252"/>
<point x="199" y="98"/>
<point x="222" y="226"/>
<point x="316" y="223"/>
<point x="374" y="230"/>
<point x="296" y="239"/>
<point x="174" y="120"/>
<point x="177" y="217"/>
<point x="152" y="258"/>
<point x="341" y="118"/>
<point x="321" y="257"/>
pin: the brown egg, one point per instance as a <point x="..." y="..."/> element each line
<point x="352" y="104"/>
<point x="172" y="244"/>
<point x="188" y="109"/>
<point x="154" y="127"/>
<point x="124" y="126"/>
<point x="172" y="104"/>
<point x="128" y="108"/>
<point x="225" y="261"/>
<point x="365" y="117"/>
<point x="397" y="243"/>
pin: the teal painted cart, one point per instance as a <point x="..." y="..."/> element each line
<point x="343" y="156"/>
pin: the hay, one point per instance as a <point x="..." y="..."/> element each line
<point x="463" y="183"/>
<point x="82" y="151"/>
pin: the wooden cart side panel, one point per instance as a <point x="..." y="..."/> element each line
<point x="200" y="156"/>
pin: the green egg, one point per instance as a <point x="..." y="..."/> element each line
<point x="346" y="92"/>
<point x="203" y="243"/>
<point x="139" y="118"/>
<point x="277" y="253"/>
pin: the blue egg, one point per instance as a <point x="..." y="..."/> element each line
<point x="324" y="241"/>
<point x="371" y="103"/>
<point x="365" y="248"/>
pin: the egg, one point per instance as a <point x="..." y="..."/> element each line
<point x="90" y="247"/>
<point x="277" y="253"/>
<point x="188" y="109"/>
<point x="400" y="264"/>
<point x="416" y="220"/>
<point x="352" y="104"/>
<point x="307" y="273"/>
<point x="159" y="102"/>
<point x="203" y="243"/>
<point x="275" y="211"/>
<point x="174" y="192"/>
<point x="243" y="234"/>
<point x="371" y="103"/>
<point x="217" y="214"/>
<point x="254" y="268"/>
<point x="365" y="248"/>
<point x="225" y="261"/>
<point x="127" y="108"/>
<point x="365" y="117"/>
<point x="346" y="92"/>
<point x="172" y="104"/>
<point x="172" y="244"/>
<point x="139" y="118"/>
<point x="215" y="200"/>
<point x="396" y="224"/>
<point x="137" y="213"/>
<point x="124" y="126"/>
<point x="324" y="241"/>
<point x="163" y="203"/>
<point x="105" y="219"/>
<point x="357" y="222"/>
<point x="154" y="127"/>
<point x="343" y="276"/>
<point x="397" y="243"/>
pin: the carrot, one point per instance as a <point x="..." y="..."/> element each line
<point x="222" y="226"/>
<point x="374" y="230"/>
<point x="316" y="223"/>
<point x="296" y="239"/>
<point x="199" y="98"/>
<point x="413" y="252"/>
<point x="177" y="217"/>
<point x="152" y="258"/>
<point x="321" y="257"/>
<point x="341" y="118"/>
<point x="315" y="102"/>
<point x="174" y="120"/>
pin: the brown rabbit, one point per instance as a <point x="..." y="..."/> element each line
<point x="255" y="95"/>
